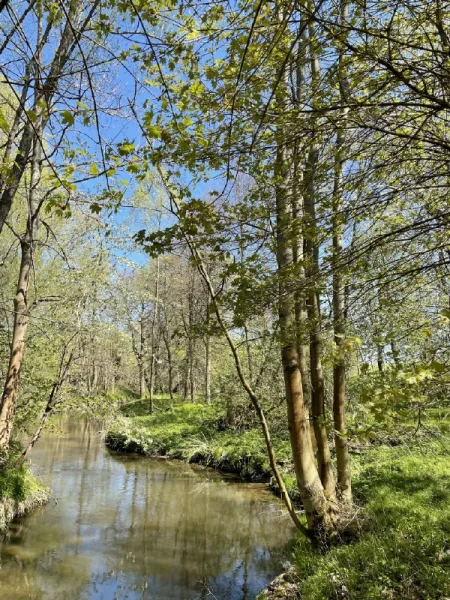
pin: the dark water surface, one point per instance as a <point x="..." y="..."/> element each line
<point x="130" y="527"/>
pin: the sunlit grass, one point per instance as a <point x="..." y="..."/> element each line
<point x="19" y="491"/>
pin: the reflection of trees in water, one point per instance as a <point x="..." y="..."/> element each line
<point x="136" y="528"/>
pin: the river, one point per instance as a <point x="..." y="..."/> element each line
<point x="126" y="527"/>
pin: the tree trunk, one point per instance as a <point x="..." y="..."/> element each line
<point x="313" y="295"/>
<point x="339" y="302"/>
<point x="395" y="353"/>
<point x="315" y="349"/>
<point x="318" y="509"/>
<point x="380" y="359"/>
<point x="170" y="373"/>
<point x="151" y="380"/>
<point x="21" y="308"/>
<point x="21" y="319"/>
<point x="339" y="369"/>
<point x="141" y="381"/>
<point x="208" y="369"/>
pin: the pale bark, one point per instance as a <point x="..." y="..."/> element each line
<point x="339" y="302"/>
<point x="312" y="491"/>
<point x="208" y="369"/>
<point x="166" y="339"/>
<point x="151" y="379"/>
<point x="141" y="358"/>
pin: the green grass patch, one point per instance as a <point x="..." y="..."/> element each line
<point x="404" y="547"/>
<point x="192" y="432"/>
<point x="20" y="492"/>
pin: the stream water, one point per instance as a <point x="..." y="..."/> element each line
<point x="128" y="527"/>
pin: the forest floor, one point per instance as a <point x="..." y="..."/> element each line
<point x="20" y="492"/>
<point x="402" y="490"/>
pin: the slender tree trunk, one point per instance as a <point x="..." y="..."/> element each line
<point x="315" y="350"/>
<point x="141" y="357"/>
<point x="153" y="348"/>
<point x="186" y="377"/>
<point x="141" y="380"/>
<point x="339" y="302"/>
<point x="298" y="219"/>
<point x="246" y="336"/>
<point x="170" y="368"/>
<point x="94" y="381"/>
<point x="248" y="351"/>
<point x="208" y="369"/>
<point x="339" y="369"/>
<point x="395" y="353"/>
<point x="313" y="296"/>
<point x="192" y="381"/>
<point x="21" y="307"/>
<point x="21" y="319"/>
<point x="380" y="359"/>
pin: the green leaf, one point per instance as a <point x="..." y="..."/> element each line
<point x="3" y="122"/>
<point x="125" y="149"/>
<point x="153" y="131"/>
<point x="95" y="208"/>
<point x="67" y="117"/>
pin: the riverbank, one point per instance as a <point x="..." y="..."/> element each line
<point x="195" y="433"/>
<point x="403" y="550"/>
<point x="20" y="493"/>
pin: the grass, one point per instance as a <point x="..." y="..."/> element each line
<point x="191" y="432"/>
<point x="19" y="491"/>
<point x="403" y="547"/>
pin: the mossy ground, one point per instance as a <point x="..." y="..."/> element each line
<point x="403" y="491"/>
<point x="20" y="492"/>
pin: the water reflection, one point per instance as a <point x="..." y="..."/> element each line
<point x="127" y="527"/>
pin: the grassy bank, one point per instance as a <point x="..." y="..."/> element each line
<point x="19" y="492"/>
<point x="193" y="433"/>
<point x="403" y="549"/>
